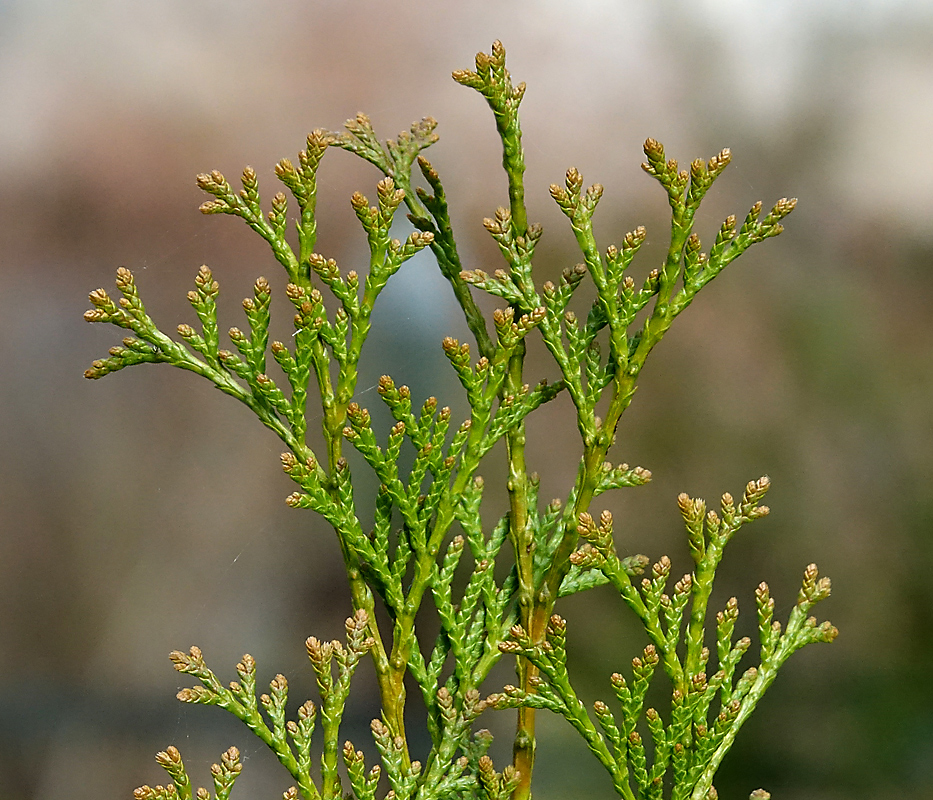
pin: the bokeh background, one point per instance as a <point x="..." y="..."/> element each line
<point x="144" y="513"/>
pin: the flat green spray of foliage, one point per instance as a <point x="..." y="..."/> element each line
<point x="427" y="538"/>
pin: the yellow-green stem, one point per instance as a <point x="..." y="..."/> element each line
<point x="390" y="679"/>
<point x="523" y="750"/>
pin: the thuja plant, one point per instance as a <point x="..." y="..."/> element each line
<point x="494" y="585"/>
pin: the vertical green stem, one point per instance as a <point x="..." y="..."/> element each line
<point x="523" y="749"/>
<point x="390" y="679"/>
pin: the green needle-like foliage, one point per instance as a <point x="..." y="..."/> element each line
<point x="427" y="543"/>
<point x="692" y="745"/>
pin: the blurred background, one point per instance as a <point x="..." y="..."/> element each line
<point x="145" y="512"/>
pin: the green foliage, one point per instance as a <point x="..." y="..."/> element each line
<point x="692" y="745"/>
<point x="428" y="543"/>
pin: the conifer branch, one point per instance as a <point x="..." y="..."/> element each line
<point x="429" y="549"/>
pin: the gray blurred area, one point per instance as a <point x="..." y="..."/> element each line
<point x="145" y="512"/>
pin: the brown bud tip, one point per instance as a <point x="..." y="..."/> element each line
<point x="653" y="146"/>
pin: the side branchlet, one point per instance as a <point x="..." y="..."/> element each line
<point x="687" y="749"/>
